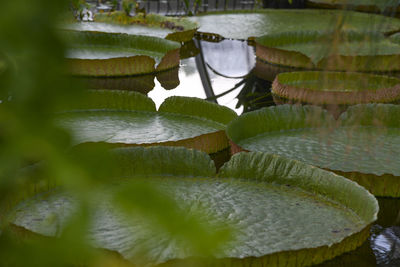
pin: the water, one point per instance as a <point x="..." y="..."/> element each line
<point x="227" y="73"/>
<point x="216" y="70"/>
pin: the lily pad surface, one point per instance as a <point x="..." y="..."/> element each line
<point x="115" y="54"/>
<point x="337" y="88"/>
<point x="347" y="51"/>
<point x="255" y="23"/>
<point x="124" y="118"/>
<point x="362" y="145"/>
<point x="361" y="5"/>
<point x="175" y="29"/>
<point x="284" y="213"/>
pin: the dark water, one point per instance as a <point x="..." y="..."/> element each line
<point x="228" y="73"/>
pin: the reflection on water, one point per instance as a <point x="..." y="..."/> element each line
<point x="217" y="69"/>
<point x="229" y="57"/>
<point x="385" y="243"/>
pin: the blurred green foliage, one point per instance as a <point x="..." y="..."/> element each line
<point x="33" y="88"/>
<point x="127" y="6"/>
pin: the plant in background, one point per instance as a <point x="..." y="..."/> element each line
<point x="114" y="5"/>
<point x="128" y="5"/>
<point x="188" y="9"/>
<point x="80" y="9"/>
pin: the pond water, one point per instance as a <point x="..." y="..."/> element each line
<point x="228" y="73"/>
<point x="216" y="69"/>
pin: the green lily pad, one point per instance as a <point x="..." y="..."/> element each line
<point x="395" y="38"/>
<point x="171" y="28"/>
<point x="124" y="118"/>
<point x="285" y="213"/>
<point x="115" y="54"/>
<point x="255" y="23"/>
<point x="360" y="5"/>
<point x="348" y="51"/>
<point x="336" y="88"/>
<point x="362" y="145"/>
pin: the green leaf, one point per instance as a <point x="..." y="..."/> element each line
<point x="129" y="118"/>
<point x="377" y="6"/>
<point x="114" y="100"/>
<point x="342" y="51"/>
<point x="285" y="117"/>
<point x="284" y="212"/>
<point x="116" y="54"/>
<point x="255" y="23"/>
<point x="182" y="162"/>
<point x="336" y="88"/>
<point x="362" y="145"/>
<point x="198" y="107"/>
<point x="171" y="28"/>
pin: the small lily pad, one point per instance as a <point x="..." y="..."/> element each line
<point x="255" y="23"/>
<point x="124" y="118"/>
<point x="362" y="145"/>
<point x="347" y="51"/>
<point x="115" y="54"/>
<point x="336" y="88"/>
<point x="285" y="213"/>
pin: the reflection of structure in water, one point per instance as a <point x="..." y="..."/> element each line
<point x="385" y="244"/>
<point x="227" y="66"/>
<point x="228" y="57"/>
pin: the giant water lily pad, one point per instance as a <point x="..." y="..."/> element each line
<point x="175" y="29"/>
<point x="347" y="51"/>
<point x="125" y="118"/>
<point x="284" y="212"/>
<point x="115" y="54"/>
<point x="255" y="23"/>
<point x="377" y="6"/>
<point x="362" y="145"/>
<point x="336" y="88"/>
<point x="178" y="29"/>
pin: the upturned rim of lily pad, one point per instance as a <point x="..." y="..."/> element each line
<point x="168" y="79"/>
<point x="268" y="49"/>
<point x="358" y="88"/>
<point x="121" y="66"/>
<point x="179" y="105"/>
<point x="288" y="117"/>
<point x="253" y="166"/>
<point x="347" y="4"/>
